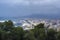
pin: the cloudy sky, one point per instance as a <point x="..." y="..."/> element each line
<point x="13" y="8"/>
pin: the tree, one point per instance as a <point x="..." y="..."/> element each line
<point x="39" y="32"/>
<point x="51" y="34"/>
<point x="41" y="25"/>
<point x="17" y="33"/>
<point x="8" y="25"/>
<point x="58" y="35"/>
<point x="1" y="26"/>
<point x="3" y="35"/>
<point x="29" y="36"/>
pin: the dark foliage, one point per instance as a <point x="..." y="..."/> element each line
<point x="9" y="32"/>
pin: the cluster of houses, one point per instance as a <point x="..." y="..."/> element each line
<point x="28" y="24"/>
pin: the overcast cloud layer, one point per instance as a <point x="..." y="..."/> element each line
<point x="26" y="7"/>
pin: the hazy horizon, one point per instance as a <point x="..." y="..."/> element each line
<point x="16" y="8"/>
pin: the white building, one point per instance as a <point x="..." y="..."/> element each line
<point x="27" y="26"/>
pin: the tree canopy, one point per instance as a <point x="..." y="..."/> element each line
<point x="9" y="32"/>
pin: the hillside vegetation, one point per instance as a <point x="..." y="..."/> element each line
<point x="9" y="32"/>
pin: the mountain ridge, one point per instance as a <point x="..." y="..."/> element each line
<point x="38" y="16"/>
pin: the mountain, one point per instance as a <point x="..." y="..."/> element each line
<point x="38" y="16"/>
<point x="48" y="16"/>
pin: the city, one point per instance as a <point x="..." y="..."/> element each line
<point x="29" y="19"/>
<point x="29" y="23"/>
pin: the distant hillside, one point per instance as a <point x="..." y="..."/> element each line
<point x="49" y="16"/>
<point x="38" y="16"/>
